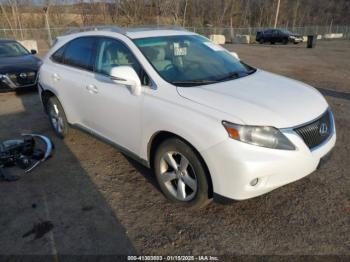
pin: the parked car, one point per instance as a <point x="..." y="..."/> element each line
<point x="18" y="66"/>
<point x="207" y="123"/>
<point x="278" y="36"/>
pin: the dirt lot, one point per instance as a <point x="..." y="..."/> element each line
<point x="100" y="202"/>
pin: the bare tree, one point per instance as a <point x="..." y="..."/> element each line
<point x="14" y="14"/>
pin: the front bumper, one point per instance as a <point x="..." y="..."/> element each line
<point x="233" y="165"/>
<point x="296" y="40"/>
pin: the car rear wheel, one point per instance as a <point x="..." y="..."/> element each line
<point x="57" y="117"/>
<point x="261" y="41"/>
<point x="181" y="174"/>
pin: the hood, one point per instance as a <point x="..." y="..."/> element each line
<point x="19" y="64"/>
<point x="261" y="98"/>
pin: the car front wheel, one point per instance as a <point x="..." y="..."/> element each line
<point x="181" y="174"/>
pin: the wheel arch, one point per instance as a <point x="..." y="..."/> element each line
<point x="160" y="137"/>
<point x="45" y="96"/>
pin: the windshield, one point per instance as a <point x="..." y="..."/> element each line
<point x="287" y="32"/>
<point x="10" y="49"/>
<point x="189" y="60"/>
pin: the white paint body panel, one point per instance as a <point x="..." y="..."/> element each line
<point x="261" y="99"/>
<point x="196" y="115"/>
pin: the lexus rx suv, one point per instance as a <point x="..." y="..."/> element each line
<point x="208" y="124"/>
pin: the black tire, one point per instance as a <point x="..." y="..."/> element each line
<point x="261" y="41"/>
<point x="285" y="41"/>
<point x="272" y="42"/>
<point x="195" y="169"/>
<point x="55" y="111"/>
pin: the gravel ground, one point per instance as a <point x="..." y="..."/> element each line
<point x="91" y="199"/>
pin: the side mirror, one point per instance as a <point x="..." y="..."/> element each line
<point x="235" y="55"/>
<point x="33" y="52"/>
<point x="126" y="75"/>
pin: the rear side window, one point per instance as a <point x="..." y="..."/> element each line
<point x="80" y="53"/>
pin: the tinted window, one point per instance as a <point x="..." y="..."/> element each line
<point x="80" y="52"/>
<point x="58" y="55"/>
<point x="112" y="53"/>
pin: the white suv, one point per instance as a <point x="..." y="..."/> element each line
<point x="206" y="122"/>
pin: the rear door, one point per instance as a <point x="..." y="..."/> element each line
<point x="275" y="36"/>
<point x="70" y="76"/>
<point x="267" y="35"/>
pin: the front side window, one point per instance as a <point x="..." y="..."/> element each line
<point x="285" y="31"/>
<point x="112" y="53"/>
<point x="80" y="53"/>
<point x="188" y="60"/>
<point x="12" y="49"/>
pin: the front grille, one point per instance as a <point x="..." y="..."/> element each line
<point x="316" y="132"/>
<point x="23" y="79"/>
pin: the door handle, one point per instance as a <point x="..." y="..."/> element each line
<point x="56" y="77"/>
<point x="92" y="89"/>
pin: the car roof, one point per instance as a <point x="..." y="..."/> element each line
<point x="133" y="32"/>
<point x="7" y="41"/>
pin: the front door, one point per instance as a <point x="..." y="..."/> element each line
<point x="116" y="111"/>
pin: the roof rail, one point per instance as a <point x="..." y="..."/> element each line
<point x="154" y="27"/>
<point x="123" y="30"/>
<point x="116" y="29"/>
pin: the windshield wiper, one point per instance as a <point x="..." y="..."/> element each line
<point x="251" y="71"/>
<point x="232" y="75"/>
<point x="235" y="75"/>
<point x="194" y="82"/>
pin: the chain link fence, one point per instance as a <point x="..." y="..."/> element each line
<point x="42" y="36"/>
<point x="230" y="33"/>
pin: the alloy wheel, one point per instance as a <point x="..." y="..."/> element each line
<point x="178" y="176"/>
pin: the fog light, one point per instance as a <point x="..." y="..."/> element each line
<point x="254" y="182"/>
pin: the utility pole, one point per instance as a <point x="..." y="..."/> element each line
<point x="277" y="11"/>
<point x="184" y="17"/>
<point x="46" y="12"/>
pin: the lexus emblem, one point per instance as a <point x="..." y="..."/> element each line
<point x="23" y="75"/>
<point x="323" y="129"/>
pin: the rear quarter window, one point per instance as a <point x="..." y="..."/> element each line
<point x="58" y="55"/>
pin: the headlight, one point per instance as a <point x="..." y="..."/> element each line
<point x="264" y="136"/>
<point x="5" y="79"/>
